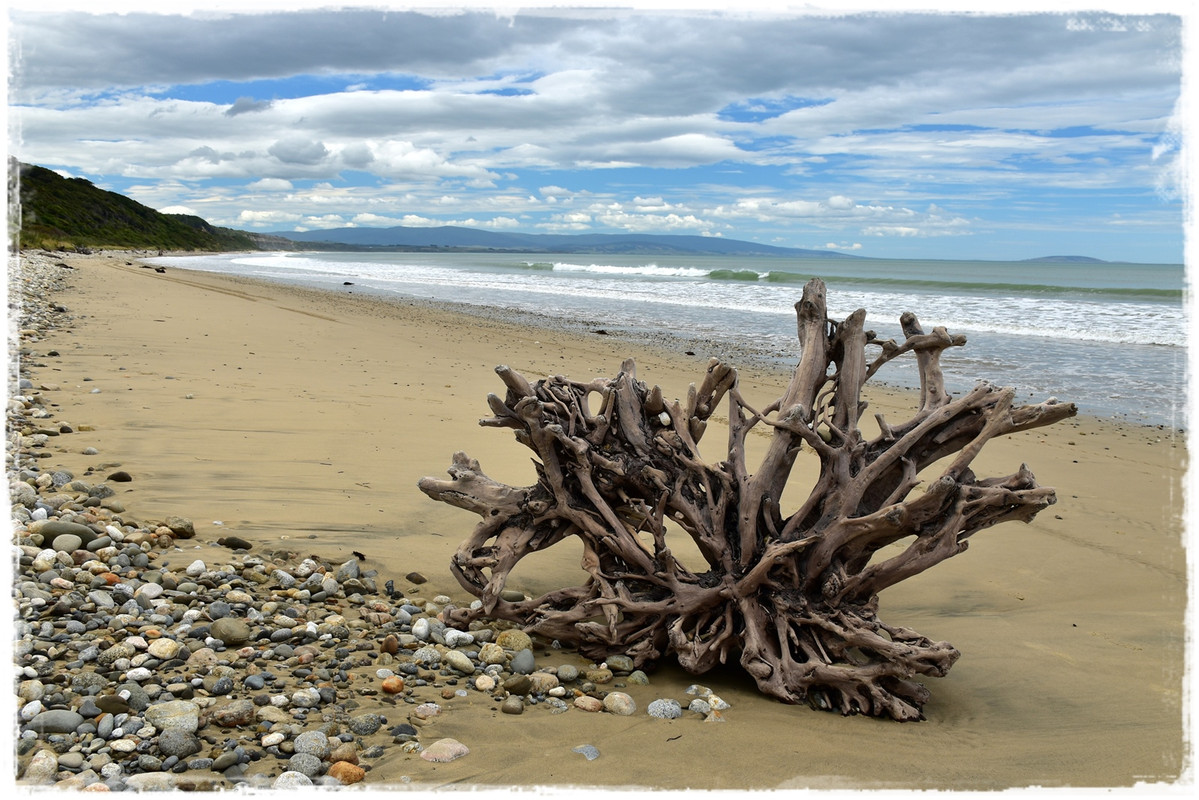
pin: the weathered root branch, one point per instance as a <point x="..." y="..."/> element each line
<point x="793" y="598"/>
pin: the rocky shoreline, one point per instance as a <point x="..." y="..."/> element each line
<point x="147" y="659"/>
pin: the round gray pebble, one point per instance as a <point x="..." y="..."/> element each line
<point x="665" y="709"/>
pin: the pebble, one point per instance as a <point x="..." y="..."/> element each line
<point x="197" y="664"/>
<point x="444" y="751"/>
<point x="620" y="704"/>
<point x="523" y="662"/>
<point x="665" y="708"/>
<point x="588" y="750"/>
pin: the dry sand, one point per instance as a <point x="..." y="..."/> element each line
<point x="305" y="416"/>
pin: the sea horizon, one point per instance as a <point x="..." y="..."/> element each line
<point x="1108" y="336"/>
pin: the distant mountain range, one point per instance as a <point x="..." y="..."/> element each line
<point x="58" y="213"/>
<point x="450" y="237"/>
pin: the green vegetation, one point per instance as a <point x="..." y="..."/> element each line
<point x="58" y="213"/>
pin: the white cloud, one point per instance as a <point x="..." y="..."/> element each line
<point x="299" y="150"/>
<point x="540" y="112"/>
<point x="271" y="185"/>
<point x="259" y="218"/>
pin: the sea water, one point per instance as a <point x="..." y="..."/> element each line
<point x="1109" y="337"/>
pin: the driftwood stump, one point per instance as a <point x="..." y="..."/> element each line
<point x="792" y="596"/>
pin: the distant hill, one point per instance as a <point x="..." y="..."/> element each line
<point x="449" y="237"/>
<point x="58" y="213"/>
<point x="1068" y="259"/>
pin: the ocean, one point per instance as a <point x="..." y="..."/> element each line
<point x="1109" y="337"/>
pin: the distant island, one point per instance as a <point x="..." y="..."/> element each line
<point x="1068" y="260"/>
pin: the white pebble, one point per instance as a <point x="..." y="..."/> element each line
<point x="272" y="739"/>
<point x="139" y="674"/>
<point x="195" y="569"/>
<point x="31" y="710"/>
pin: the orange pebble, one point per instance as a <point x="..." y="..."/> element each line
<point x="393" y="684"/>
<point x="347" y="773"/>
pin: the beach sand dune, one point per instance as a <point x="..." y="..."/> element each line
<point x="303" y="420"/>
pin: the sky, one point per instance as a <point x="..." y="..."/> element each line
<point x="876" y="130"/>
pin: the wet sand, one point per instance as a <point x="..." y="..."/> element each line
<point x="304" y="419"/>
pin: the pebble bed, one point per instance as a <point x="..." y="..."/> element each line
<point x="140" y="666"/>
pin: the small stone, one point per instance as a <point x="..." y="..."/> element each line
<point x="457" y="638"/>
<point x="181" y="527"/>
<point x="601" y="675"/>
<point x="457" y="660"/>
<point x="444" y="750"/>
<point x="305" y="763"/>
<point x="415" y="578"/>
<point x="485" y="683"/>
<point x="717" y="703"/>
<point x="178" y="742"/>
<point x="638" y="678"/>
<point x="234" y="543"/>
<point x="314" y="743"/>
<point x="513" y="705"/>
<point x="588" y="750"/>
<point x="291" y="780"/>
<point x="514" y="639"/>
<point x="518" y="684"/>
<point x="523" y="662"/>
<point x="120" y="476"/>
<point x="42" y="768"/>
<point x="347" y="773"/>
<point x="491" y="653"/>
<point x="426" y="711"/>
<point x="181" y="714"/>
<point x="542" y="682"/>
<point x="588" y="703"/>
<point x="620" y="704"/>
<point x="665" y="708"/>
<point x="231" y="630"/>
<point x="568" y="673"/>
<point x="620" y="663"/>
<point x="393" y="685"/>
<point x="56" y="721"/>
<point x="235" y="714"/>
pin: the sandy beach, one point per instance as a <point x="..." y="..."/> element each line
<point x="304" y="419"/>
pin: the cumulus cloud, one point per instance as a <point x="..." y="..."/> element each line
<point x="299" y="150"/>
<point x="836" y="127"/>
<point x="271" y="185"/>
<point x="246" y="105"/>
<point x="259" y="218"/>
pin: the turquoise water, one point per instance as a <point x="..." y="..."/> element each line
<point x="1109" y="337"/>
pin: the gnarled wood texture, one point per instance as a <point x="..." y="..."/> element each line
<point x="792" y="596"/>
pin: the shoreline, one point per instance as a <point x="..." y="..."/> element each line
<point x="1155" y="404"/>
<point x="342" y="401"/>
